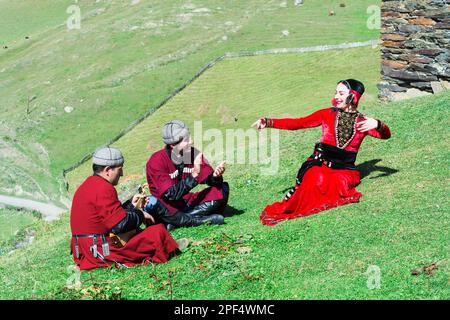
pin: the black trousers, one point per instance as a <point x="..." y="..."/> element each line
<point x="192" y="216"/>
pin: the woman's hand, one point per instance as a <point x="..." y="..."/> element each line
<point x="260" y="124"/>
<point x="367" y="125"/>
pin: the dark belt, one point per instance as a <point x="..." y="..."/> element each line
<point x="93" y="248"/>
<point x="334" y="157"/>
<point x="325" y="154"/>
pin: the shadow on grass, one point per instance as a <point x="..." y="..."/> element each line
<point x="232" y="211"/>
<point x="370" y="166"/>
<point x="366" y="169"/>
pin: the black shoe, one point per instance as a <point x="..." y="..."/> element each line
<point x="205" y="208"/>
<point x="211" y="219"/>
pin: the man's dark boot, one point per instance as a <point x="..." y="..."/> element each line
<point x="183" y="219"/>
<point x="204" y="209"/>
<point x="213" y="206"/>
<point x="212" y="219"/>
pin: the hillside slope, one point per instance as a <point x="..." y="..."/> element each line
<point x="400" y="224"/>
<point x="234" y="93"/>
<point x="125" y="59"/>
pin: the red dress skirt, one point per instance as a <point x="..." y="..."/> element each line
<point x="322" y="188"/>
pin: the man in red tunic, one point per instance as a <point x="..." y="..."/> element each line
<point x="174" y="171"/>
<point x="96" y="211"/>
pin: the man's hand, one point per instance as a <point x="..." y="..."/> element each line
<point x="197" y="165"/>
<point x="367" y="125"/>
<point x="149" y="218"/>
<point x="260" y="124"/>
<point x="138" y="201"/>
<point x="220" y="169"/>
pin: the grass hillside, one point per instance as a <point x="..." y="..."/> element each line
<point x="236" y="91"/>
<point x="126" y="58"/>
<point x="400" y="224"/>
<point x="13" y="227"/>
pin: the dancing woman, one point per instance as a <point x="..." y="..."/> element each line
<point x="328" y="177"/>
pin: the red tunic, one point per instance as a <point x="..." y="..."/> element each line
<point x="322" y="187"/>
<point x="96" y="209"/>
<point x="163" y="174"/>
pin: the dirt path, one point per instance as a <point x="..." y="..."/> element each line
<point x="49" y="211"/>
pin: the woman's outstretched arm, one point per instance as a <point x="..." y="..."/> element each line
<point x="313" y="120"/>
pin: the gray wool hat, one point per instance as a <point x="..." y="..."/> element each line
<point x="174" y="131"/>
<point x="107" y="156"/>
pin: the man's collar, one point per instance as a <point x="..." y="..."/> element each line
<point x="97" y="175"/>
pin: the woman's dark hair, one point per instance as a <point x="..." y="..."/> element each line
<point x="353" y="84"/>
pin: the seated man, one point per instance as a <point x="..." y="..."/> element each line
<point x="96" y="211"/>
<point x="174" y="171"/>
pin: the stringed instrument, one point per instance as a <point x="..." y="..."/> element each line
<point x="121" y="239"/>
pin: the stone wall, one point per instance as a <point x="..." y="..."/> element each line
<point x="415" y="48"/>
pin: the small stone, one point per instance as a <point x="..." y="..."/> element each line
<point x="392" y="44"/>
<point x="408" y="28"/>
<point x="410" y="93"/>
<point x="390" y="14"/>
<point x="422" y="22"/>
<point x="407" y="75"/>
<point x="391" y="87"/>
<point x="437" y="86"/>
<point x="442" y="25"/>
<point x="395" y="64"/>
<point x="417" y="58"/>
<point x="417" y="67"/>
<point x="421" y="85"/>
<point x="183" y="243"/>
<point x="445" y="84"/>
<point x="393" y="37"/>
<point x="428" y="52"/>
<point x="244" y="250"/>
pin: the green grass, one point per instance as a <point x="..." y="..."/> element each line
<point x="12" y="221"/>
<point x="112" y="73"/>
<point x="123" y="61"/>
<point x="15" y="224"/>
<point x="400" y="224"/>
<point x="244" y="89"/>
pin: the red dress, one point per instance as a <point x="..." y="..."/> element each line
<point x="96" y="210"/>
<point x="322" y="187"/>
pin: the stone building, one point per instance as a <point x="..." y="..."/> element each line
<point x="415" y="48"/>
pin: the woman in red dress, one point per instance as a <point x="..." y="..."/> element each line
<point x="328" y="177"/>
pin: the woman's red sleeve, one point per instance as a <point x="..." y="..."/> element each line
<point x="313" y="120"/>
<point x="382" y="132"/>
